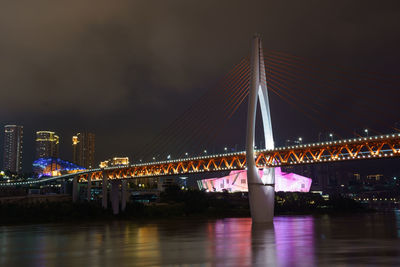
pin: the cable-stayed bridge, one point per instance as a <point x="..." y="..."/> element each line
<point x="253" y="80"/>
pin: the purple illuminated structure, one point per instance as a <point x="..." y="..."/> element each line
<point x="236" y="181"/>
<point x="54" y="167"/>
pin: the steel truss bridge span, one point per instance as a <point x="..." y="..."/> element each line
<point x="382" y="146"/>
<point x="374" y="147"/>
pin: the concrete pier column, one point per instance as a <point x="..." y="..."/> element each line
<point x="115" y="196"/>
<point x="75" y="189"/>
<point x="64" y="188"/>
<point x="104" y="202"/>
<point x="124" y="194"/>
<point x="89" y="188"/>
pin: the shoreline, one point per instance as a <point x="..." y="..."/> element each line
<point x="68" y="212"/>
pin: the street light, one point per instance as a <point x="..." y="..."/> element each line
<point x="186" y="154"/>
<point x="169" y="157"/>
<point x="300" y="140"/>
<point x="366" y="132"/>
<point x="225" y="148"/>
<point x="331" y="136"/>
<point x="205" y="151"/>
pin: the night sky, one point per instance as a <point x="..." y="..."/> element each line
<point x="126" y="69"/>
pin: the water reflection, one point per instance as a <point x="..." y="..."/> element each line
<point x="289" y="241"/>
<point x="263" y="246"/>
<point x="295" y="241"/>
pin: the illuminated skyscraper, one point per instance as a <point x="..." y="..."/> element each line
<point x="47" y="144"/>
<point x="83" y="145"/>
<point x="13" y="135"/>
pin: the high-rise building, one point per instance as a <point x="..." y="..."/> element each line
<point x="13" y="135"/>
<point x="83" y="145"/>
<point x="47" y="144"/>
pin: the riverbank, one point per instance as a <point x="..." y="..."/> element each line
<point x="172" y="204"/>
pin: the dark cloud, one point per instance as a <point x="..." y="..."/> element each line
<point x="123" y="69"/>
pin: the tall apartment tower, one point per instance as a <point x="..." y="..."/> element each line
<point x="47" y="144"/>
<point x="83" y="145"/>
<point x="13" y="135"/>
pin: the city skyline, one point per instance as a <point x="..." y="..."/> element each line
<point x="45" y="144"/>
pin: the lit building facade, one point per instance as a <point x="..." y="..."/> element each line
<point x="47" y="144"/>
<point x="117" y="161"/>
<point x="236" y="181"/>
<point x="13" y="144"/>
<point x="83" y="148"/>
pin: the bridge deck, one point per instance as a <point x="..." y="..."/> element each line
<point x="374" y="147"/>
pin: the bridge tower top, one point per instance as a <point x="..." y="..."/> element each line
<point x="258" y="81"/>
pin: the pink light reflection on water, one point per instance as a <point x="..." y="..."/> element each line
<point x="237" y="242"/>
<point x="231" y="242"/>
<point x="294" y="239"/>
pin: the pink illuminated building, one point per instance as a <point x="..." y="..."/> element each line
<point x="236" y="181"/>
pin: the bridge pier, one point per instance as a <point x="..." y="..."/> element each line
<point x="89" y="188"/>
<point x="104" y="201"/>
<point x="64" y="187"/>
<point x="75" y="189"/>
<point x="124" y="194"/>
<point x="115" y="196"/>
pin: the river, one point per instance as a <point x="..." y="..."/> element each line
<point x="341" y="240"/>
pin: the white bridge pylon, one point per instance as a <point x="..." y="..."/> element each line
<point x="261" y="189"/>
